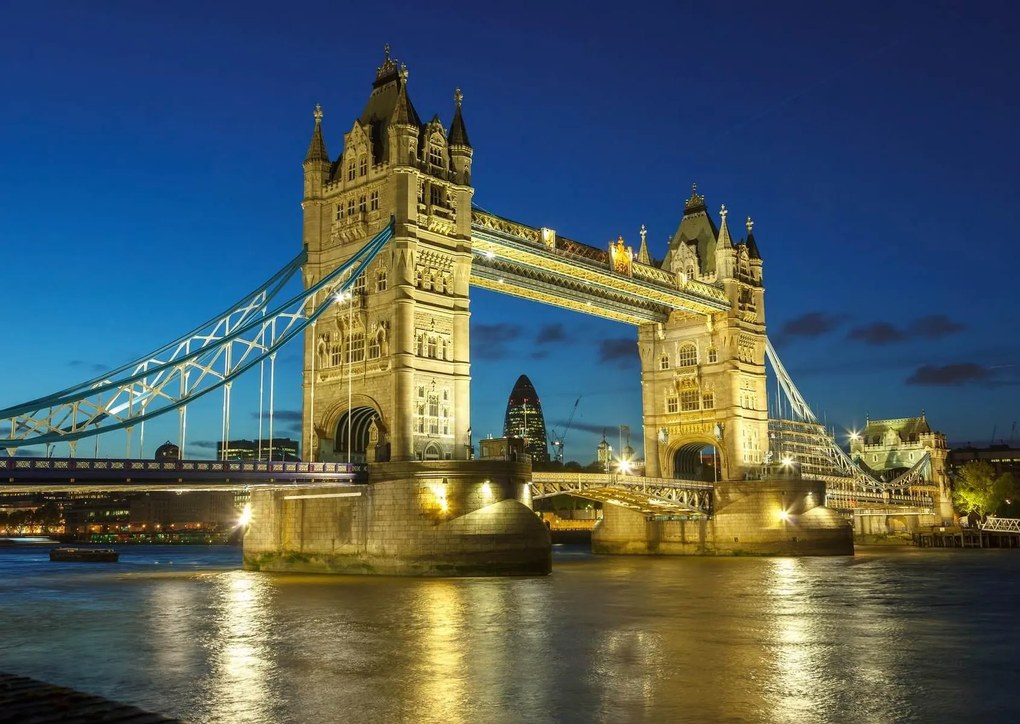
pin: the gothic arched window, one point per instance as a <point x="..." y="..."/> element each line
<point x="688" y="356"/>
<point x="664" y="362"/>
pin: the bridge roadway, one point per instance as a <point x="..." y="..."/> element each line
<point x="52" y="475"/>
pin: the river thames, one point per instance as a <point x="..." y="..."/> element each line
<point x="887" y="636"/>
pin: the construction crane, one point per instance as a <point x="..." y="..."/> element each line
<point x="557" y="442"/>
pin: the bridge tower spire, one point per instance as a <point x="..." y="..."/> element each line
<point x="386" y="373"/>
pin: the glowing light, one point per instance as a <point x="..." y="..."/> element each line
<point x="855" y="436"/>
<point x="439" y="493"/>
<point x="487" y="490"/>
<point x="490" y="255"/>
<point x="783" y="515"/>
<point x="624" y="466"/>
<point x="245" y="518"/>
<point x="787" y="461"/>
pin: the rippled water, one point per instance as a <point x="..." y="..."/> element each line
<point x="901" y="635"/>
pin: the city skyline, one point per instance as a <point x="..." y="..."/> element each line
<point x="154" y="140"/>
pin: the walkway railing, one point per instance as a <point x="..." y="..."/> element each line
<point x="650" y="496"/>
<point x="1002" y="525"/>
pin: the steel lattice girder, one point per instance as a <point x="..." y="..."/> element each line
<point x="204" y="360"/>
<point x="650" y="496"/>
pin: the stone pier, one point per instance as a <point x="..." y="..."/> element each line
<point x="441" y="518"/>
<point x="761" y="517"/>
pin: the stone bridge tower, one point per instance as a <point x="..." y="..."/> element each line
<point x="703" y="377"/>
<point x="386" y="373"/>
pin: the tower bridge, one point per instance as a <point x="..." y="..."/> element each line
<point x="392" y="245"/>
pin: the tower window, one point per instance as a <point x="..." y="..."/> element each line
<point x="380" y="282"/>
<point x="374" y="201"/>
<point x="339" y="211"/>
<point x="359" y="284"/>
<point x="713" y="356"/>
<point x="436" y="196"/>
<point x="361" y="204"/>
<point x="356" y="351"/>
<point x="436" y="156"/>
<point x="708" y="401"/>
<point x="688" y="356"/>
<point x="373" y="347"/>
<point x="350" y="207"/>
<point x="351" y="171"/>
<point x="363" y="166"/>
<point x="672" y="404"/>
<point x="689" y="400"/>
<point x="664" y="362"/>
<point x="432" y="347"/>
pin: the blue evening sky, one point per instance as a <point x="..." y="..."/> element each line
<point x="150" y="174"/>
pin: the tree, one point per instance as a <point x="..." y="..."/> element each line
<point x="978" y="488"/>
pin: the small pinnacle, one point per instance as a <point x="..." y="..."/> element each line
<point x="386" y="49"/>
<point x="644" y="232"/>
<point x="403" y="72"/>
<point x="750" y="224"/>
<point x="694" y="188"/>
<point x="723" y="212"/>
<point x="458" y="97"/>
<point x="317" y="113"/>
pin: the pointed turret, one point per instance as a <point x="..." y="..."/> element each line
<point x="316" y="163"/>
<point x="317" y="147"/>
<point x="458" y="133"/>
<point x="642" y="255"/>
<point x="752" y="245"/>
<point x="725" y="242"/>
<point x="459" y="145"/>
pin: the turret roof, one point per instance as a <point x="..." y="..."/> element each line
<point x="458" y="132"/>
<point x="317" y="146"/>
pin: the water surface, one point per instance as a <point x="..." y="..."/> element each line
<point x="901" y="635"/>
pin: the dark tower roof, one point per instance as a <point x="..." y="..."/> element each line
<point x="752" y="246"/>
<point x="524" y="419"/>
<point x="697" y="228"/>
<point x="388" y="104"/>
<point x="458" y="132"/>
<point x="317" y="146"/>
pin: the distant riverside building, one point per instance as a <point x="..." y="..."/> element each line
<point x="500" y="448"/>
<point x="524" y="419"/>
<point x="1003" y="458"/>
<point x="279" y="448"/>
<point x="168" y="452"/>
<point x="888" y="448"/>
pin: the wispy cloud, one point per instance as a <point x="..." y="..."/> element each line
<point x="621" y="350"/>
<point x="550" y="333"/>
<point x="281" y="416"/>
<point x="932" y="326"/>
<point x="489" y="341"/>
<point x="85" y="365"/>
<point x="952" y="375"/>
<point x="811" y="324"/>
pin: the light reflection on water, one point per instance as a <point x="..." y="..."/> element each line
<point x="603" y="639"/>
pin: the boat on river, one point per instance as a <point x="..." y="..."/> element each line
<point x="84" y="555"/>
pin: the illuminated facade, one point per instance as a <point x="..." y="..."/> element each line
<point x="387" y="370"/>
<point x="524" y="419"/>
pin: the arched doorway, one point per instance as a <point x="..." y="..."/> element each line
<point x="432" y="452"/>
<point x="697" y="461"/>
<point x="354" y="426"/>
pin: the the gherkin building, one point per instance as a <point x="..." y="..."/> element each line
<point x="524" y="419"/>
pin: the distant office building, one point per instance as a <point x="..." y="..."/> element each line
<point x="524" y="419"/>
<point x="500" y="448"/>
<point x="279" y="448"/>
<point x="1003" y="458"/>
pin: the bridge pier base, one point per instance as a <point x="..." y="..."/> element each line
<point x="758" y="517"/>
<point x="443" y="518"/>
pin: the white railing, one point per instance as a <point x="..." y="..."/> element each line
<point x="1002" y="525"/>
